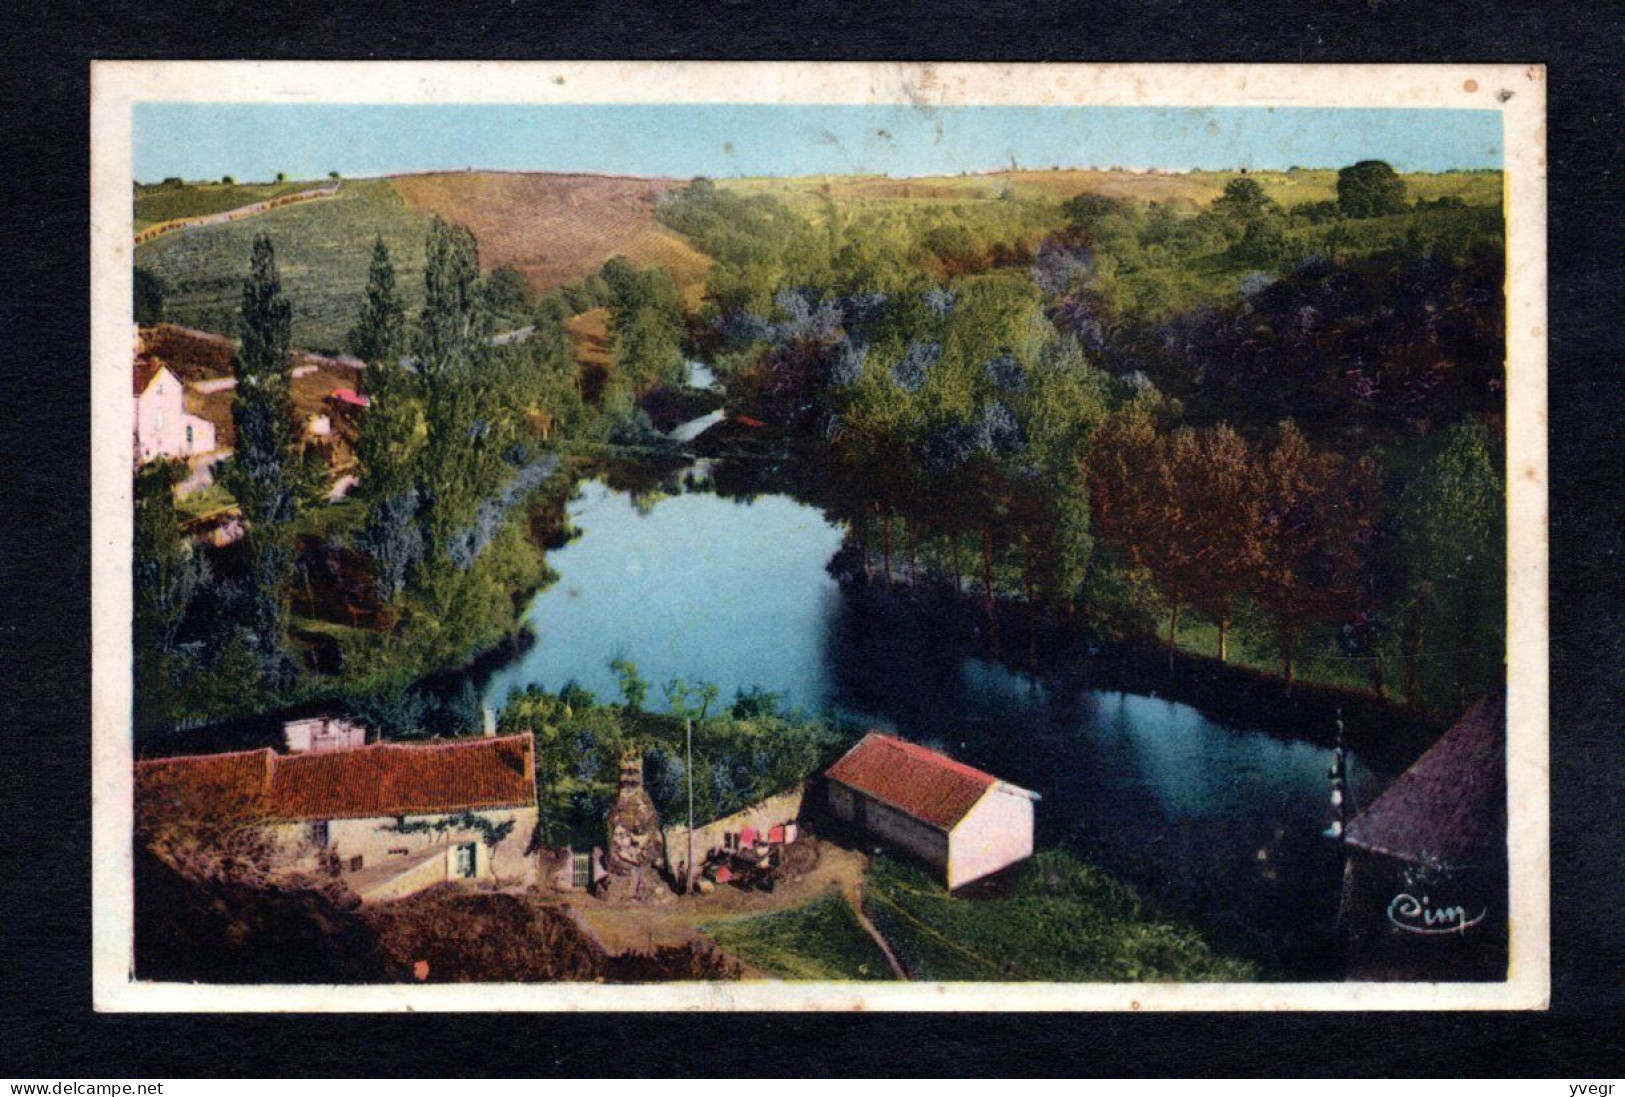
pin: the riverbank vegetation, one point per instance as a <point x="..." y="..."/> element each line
<point x="1259" y="420"/>
<point x="430" y="559"/>
<point x="1249" y="420"/>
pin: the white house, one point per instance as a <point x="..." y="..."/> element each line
<point x="163" y="427"/>
<point x="393" y="818"/>
<point x="325" y="732"/>
<point x="965" y="823"/>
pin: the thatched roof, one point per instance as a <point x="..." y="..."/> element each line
<point x="1449" y="808"/>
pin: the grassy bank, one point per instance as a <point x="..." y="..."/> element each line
<point x="1061" y="920"/>
<point x="819" y="942"/>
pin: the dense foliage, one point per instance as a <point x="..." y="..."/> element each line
<point x="742" y="753"/>
<point x="1242" y="419"/>
<point x="431" y="548"/>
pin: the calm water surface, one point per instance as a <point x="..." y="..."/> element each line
<point x="1219" y="822"/>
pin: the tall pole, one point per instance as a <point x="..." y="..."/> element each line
<point x="688" y="727"/>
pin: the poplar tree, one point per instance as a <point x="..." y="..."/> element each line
<point x="1455" y="540"/>
<point x="386" y="440"/>
<point x="388" y="428"/>
<point x="1317" y="517"/>
<point x="461" y="457"/>
<point x="261" y="476"/>
<point x="1219" y="477"/>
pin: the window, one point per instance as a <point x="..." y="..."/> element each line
<point x="189" y="435"/>
<point x="318" y="834"/>
<point x="581" y="870"/>
<point x="467" y="861"/>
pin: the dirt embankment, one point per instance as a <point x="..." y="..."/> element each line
<point x="223" y="931"/>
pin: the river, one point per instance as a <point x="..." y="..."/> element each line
<point x="1216" y="822"/>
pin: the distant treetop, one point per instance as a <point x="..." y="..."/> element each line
<point x="1370" y="188"/>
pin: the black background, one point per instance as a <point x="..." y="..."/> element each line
<point x="47" y="1027"/>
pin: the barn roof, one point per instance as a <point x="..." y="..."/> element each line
<point x="1449" y="808"/>
<point x="385" y="779"/>
<point x="921" y="783"/>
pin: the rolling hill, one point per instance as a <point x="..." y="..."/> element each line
<point x="555" y="229"/>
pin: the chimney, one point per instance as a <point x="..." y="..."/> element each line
<point x="488" y="720"/>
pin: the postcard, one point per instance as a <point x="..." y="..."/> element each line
<point x="781" y="536"/>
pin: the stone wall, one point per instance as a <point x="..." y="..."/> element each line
<point x="779" y="808"/>
<point x="380" y="840"/>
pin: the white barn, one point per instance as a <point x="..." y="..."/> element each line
<point x="965" y="823"/>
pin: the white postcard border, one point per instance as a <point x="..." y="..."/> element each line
<point x="1516" y="91"/>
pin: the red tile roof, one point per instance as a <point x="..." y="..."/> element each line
<point x="242" y="777"/>
<point x="928" y="786"/>
<point x="351" y="396"/>
<point x="385" y="779"/>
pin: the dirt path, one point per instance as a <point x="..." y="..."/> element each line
<point x="643" y="928"/>
<point x="161" y="228"/>
<point x="854" y="899"/>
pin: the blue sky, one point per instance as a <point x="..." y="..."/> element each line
<point x="257" y="140"/>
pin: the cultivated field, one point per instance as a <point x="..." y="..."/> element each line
<point x="555" y="229"/>
<point x="322" y="250"/>
<point x="1190" y="189"/>
<point x="160" y="202"/>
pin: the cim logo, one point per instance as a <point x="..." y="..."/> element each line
<point x="1414" y="915"/>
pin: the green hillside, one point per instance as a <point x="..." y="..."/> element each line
<point x="322" y="248"/>
<point x="168" y="201"/>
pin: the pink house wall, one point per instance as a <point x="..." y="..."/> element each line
<point x="162" y="426"/>
<point x="997" y="832"/>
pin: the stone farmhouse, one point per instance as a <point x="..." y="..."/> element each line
<point x="962" y="822"/>
<point x="390" y="818"/>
